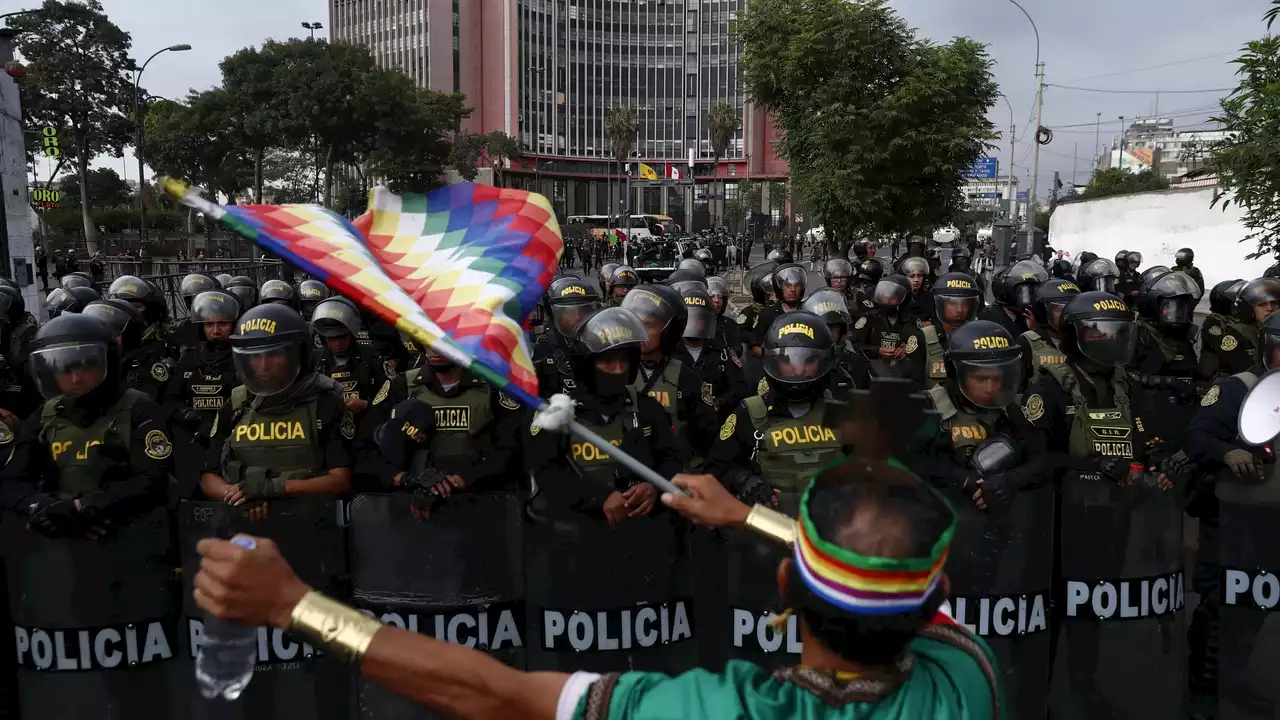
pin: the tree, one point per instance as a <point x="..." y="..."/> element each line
<point x="723" y="124"/>
<point x="250" y="78"/>
<point x="877" y="125"/>
<point x="106" y="189"/>
<point x="198" y="141"/>
<point x="77" y="62"/>
<point x="1246" y="160"/>
<point x="415" y="147"/>
<point x="496" y="148"/>
<point x="620" y="127"/>
<point x="1118" y="181"/>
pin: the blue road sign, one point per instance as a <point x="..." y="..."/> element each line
<point x="985" y="168"/>
<point x="1022" y="195"/>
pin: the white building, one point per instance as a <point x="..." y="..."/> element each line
<point x="1155" y="142"/>
<point x="981" y="194"/>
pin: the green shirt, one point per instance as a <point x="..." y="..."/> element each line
<point x="945" y="683"/>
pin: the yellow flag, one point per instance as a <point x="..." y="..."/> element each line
<point x="647" y="172"/>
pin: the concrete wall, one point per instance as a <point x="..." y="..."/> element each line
<point x="1158" y="224"/>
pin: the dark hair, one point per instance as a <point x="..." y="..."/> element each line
<point x="871" y="508"/>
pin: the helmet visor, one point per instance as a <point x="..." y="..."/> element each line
<point x="888" y="294"/>
<point x="267" y="370"/>
<point x="796" y="365"/>
<point x="1176" y="310"/>
<point x="791" y="276"/>
<point x="1106" y="341"/>
<point x="1024" y="295"/>
<point x="1177" y="284"/>
<point x="246" y="296"/>
<point x="69" y="370"/>
<point x="701" y="323"/>
<point x="992" y="384"/>
<point x="214" y="307"/>
<point x="953" y="311"/>
<point x="1270" y="342"/>
<point x="567" y="318"/>
<point x="1106" y="283"/>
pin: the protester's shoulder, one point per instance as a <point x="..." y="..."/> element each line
<point x="697" y="693"/>
<point x="957" y="660"/>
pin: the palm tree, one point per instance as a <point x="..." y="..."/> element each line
<point x="621" y="127"/>
<point x="723" y="124"/>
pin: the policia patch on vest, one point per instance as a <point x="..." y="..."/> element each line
<point x="157" y="445"/>
<point x="1215" y="330"/>
<point x="1034" y="409"/>
<point x="1211" y="397"/>
<point x="348" y="427"/>
<point x="726" y="430"/>
<point x="1230" y="343"/>
<point x="507" y="401"/>
<point x="160" y="372"/>
<point x="382" y="392"/>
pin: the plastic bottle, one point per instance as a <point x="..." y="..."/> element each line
<point x="224" y="664"/>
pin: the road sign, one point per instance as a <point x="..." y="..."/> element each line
<point x="1022" y="195"/>
<point x="985" y="168"/>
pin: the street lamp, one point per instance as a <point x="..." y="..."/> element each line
<point x="137" y="143"/>
<point x="313" y="27"/>
<point x="1013" y="139"/>
<point x="1035" y="133"/>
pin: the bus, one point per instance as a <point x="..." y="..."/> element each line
<point x="637" y="226"/>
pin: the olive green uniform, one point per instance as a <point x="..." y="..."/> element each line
<point x="762" y="437"/>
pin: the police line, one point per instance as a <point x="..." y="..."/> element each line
<point x="537" y="590"/>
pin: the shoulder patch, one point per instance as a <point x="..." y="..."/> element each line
<point x="508" y="402"/>
<point x="1229" y="343"/>
<point x="1215" y="330"/>
<point x="742" y="320"/>
<point x="534" y="430"/>
<point x="1211" y="397"/>
<point x="6" y="435"/>
<point x="912" y="344"/>
<point x="708" y="396"/>
<point x="1033" y="410"/>
<point x="382" y="392"/>
<point x="726" y="430"/>
<point x="862" y="322"/>
<point x="388" y="369"/>
<point x="762" y="389"/>
<point x="160" y="372"/>
<point x="868" y="303"/>
<point x="317" y="341"/>
<point x="348" y="426"/>
<point x="157" y="445"/>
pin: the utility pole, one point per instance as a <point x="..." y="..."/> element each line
<point x="1120" y="147"/>
<point x="1013" y="129"/>
<point x="1075" y="157"/>
<point x="1035" y="148"/>
<point x="1097" y="141"/>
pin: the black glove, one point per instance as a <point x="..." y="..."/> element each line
<point x="423" y="480"/>
<point x="1114" y="469"/>
<point x="998" y="491"/>
<point x="54" y="517"/>
<point x="753" y="490"/>
<point x="188" y="420"/>
<point x="259" y="483"/>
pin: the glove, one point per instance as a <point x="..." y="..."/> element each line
<point x="998" y="490"/>
<point x="1114" y="469"/>
<point x="188" y="420"/>
<point x="1184" y="387"/>
<point x="55" y="517"/>
<point x="423" y="480"/>
<point x="753" y="490"/>
<point x="1243" y="464"/>
<point x="260" y="484"/>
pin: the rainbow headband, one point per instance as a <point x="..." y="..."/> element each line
<point x="862" y="584"/>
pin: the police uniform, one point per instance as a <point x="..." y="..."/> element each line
<point x="148" y="367"/>
<point x="551" y="364"/>
<point x="17" y="394"/>
<point x="690" y="406"/>
<point x="901" y="332"/>
<point x="567" y="301"/>
<point x="359" y="376"/>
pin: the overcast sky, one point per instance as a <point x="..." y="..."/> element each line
<point x="1107" y="44"/>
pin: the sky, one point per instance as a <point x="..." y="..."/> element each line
<point x="1104" y="44"/>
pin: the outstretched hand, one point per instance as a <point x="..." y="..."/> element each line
<point x="707" y="503"/>
<point x="251" y="587"/>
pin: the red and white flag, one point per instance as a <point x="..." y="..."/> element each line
<point x="675" y="172"/>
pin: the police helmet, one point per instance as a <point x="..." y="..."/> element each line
<point x="890" y="292"/>
<point x="838" y="269"/>
<point x="1122" y="260"/>
<point x="1061" y="269"/>
<point x="8" y="282"/>
<point x="604" y="275"/>
<point x="1052" y="296"/>
<point x="278" y="292"/>
<point x="336" y="317"/>
<point x="961" y="259"/>
<point x="693" y="265"/>
<point x="915" y="265"/>
<point x="717" y="285"/>
<point x="1135" y="260"/>
<point x="797" y="355"/>
<point x="74" y="280"/>
<point x="1098" y="331"/>
<point x="73" y="300"/>
<point x="244" y="290"/>
<point x="869" y="273"/>
<point x="224" y="279"/>
<point x="1169" y="299"/>
<point x="704" y="256"/>
<point x="624" y="276"/>
<point x="1269" y="341"/>
<point x="1018" y="288"/>
<point x="11" y="303"/>
<point x="862" y="249"/>
<point x="1184" y="257"/>
<point x="986" y="363"/>
<point x="72" y="355"/>
<point x="682" y="279"/>
<point x="1152" y="272"/>
<point x="1262" y="294"/>
<point x="782" y="257"/>
<point x="1222" y="298"/>
<point x="662" y="311"/>
<point x="194" y="284"/>
<point x="701" y="323"/>
<point x="1085" y="257"/>
<point x="956" y="299"/>
<point x="1099" y="275"/>
<point x="268" y="347"/>
<point x="610" y="330"/>
<point x="214" y="306"/>
<point x="789" y="275"/>
<point x="569" y="301"/>
<point x="122" y="317"/>
<point x="758" y="281"/>
<point x="830" y="305"/>
<point x="310" y="293"/>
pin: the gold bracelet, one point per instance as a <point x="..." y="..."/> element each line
<point x="340" y="629"/>
<point x="772" y="524"/>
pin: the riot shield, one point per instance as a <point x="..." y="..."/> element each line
<point x="1001" y="570"/>
<point x="1248" y="630"/>
<point x="95" y="622"/>
<point x="291" y="678"/>
<point x="1120" y="628"/>
<point x="603" y="599"/>
<point x="457" y="576"/>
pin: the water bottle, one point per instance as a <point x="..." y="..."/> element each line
<point x="224" y="665"/>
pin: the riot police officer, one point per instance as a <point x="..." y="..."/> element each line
<point x="956" y="298"/>
<point x="1164" y="362"/>
<point x="1040" y="347"/>
<point x="789" y="282"/>
<point x="17" y="329"/>
<point x="1015" y="295"/>
<point x="722" y="380"/>
<point x="728" y="333"/>
<point x="202" y="384"/>
<point x="777" y="441"/>
<point x="838" y="274"/>
<point x="1222" y="309"/>
<point x="577" y="476"/>
<point x="623" y="280"/>
<point x="279" y="292"/>
<point x="919" y="303"/>
<point x="1061" y="269"/>
<point x="1098" y="274"/>
<point x="1258" y="299"/>
<point x="780" y="256"/>
<point x="75" y="280"/>
<point x="62" y="300"/>
<point x="194" y="284"/>
<point x="677" y="387"/>
<point x="97" y="452"/>
<point x="1130" y="280"/>
<point x="758" y="282"/>
<point x="604" y="275"/>
<point x="704" y="256"/>
<point x="120" y="316"/>
<point x="851" y="369"/>
<point x="890" y="340"/>
<point x="223" y="280"/>
<point x="147" y="365"/>
<point x="568" y="301"/>
<point x="397" y="457"/>
<point x="355" y="368"/>
<point x="694" y="266"/>
<point x="1183" y="262"/>
<point x="285" y="430"/>
<point x="310" y="294"/>
<point x="245" y="291"/>
<point x="869" y="273"/>
<point x="186" y="334"/>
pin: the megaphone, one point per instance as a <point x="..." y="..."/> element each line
<point x="1259" y="419"/>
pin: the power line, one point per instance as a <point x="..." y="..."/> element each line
<point x="1141" y="92"/>
<point x="1155" y="67"/>
<point x="1185" y="112"/>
